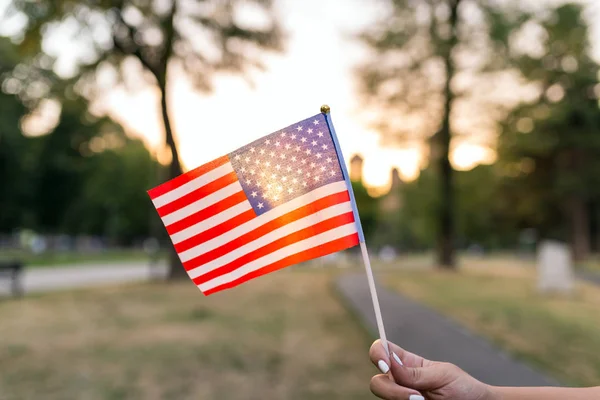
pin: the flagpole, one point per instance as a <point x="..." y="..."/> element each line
<point x="325" y="110"/>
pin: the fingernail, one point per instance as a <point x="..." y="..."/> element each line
<point x="383" y="367"/>
<point x="399" y="361"/>
<point x="416" y="397"/>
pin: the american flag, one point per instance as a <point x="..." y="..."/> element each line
<point x="281" y="200"/>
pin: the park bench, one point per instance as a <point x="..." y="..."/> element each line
<point x="12" y="270"/>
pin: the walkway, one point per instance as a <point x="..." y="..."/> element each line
<point x="71" y="277"/>
<point x="423" y="331"/>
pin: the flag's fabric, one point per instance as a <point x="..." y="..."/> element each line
<point x="278" y="201"/>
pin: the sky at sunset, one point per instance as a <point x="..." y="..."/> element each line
<point x="316" y="68"/>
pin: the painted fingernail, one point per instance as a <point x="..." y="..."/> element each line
<point x="416" y="397"/>
<point x="398" y="360"/>
<point x="383" y="367"/>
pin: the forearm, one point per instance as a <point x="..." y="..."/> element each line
<point x="544" y="393"/>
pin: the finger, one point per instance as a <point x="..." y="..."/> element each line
<point x="377" y="353"/>
<point x="384" y="388"/>
<point x="424" y="378"/>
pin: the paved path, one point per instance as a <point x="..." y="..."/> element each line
<point x="59" y="278"/>
<point x="425" y="332"/>
<point x="591" y="277"/>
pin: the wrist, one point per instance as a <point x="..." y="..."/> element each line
<point x="492" y="393"/>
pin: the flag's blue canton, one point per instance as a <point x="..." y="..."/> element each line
<point x="286" y="164"/>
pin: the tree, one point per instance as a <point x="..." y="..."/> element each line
<point x="199" y="38"/>
<point x="112" y="202"/>
<point x="420" y="199"/>
<point x="68" y="180"/>
<point x="419" y="49"/>
<point x="367" y="206"/>
<point x="59" y="172"/>
<point x="549" y="148"/>
<point x="480" y="217"/>
<point x="88" y="178"/>
<point x="13" y="146"/>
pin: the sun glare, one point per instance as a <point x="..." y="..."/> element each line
<point x="293" y="87"/>
<point x="467" y="155"/>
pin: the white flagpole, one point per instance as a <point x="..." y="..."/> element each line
<point x="373" y="289"/>
<point x="363" y="247"/>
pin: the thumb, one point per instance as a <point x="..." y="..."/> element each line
<point x="423" y="378"/>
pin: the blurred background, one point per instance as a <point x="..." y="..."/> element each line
<point x="471" y="130"/>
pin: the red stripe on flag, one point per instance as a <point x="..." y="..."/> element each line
<point x="207" y="212"/>
<point x="270" y="226"/>
<point x="215" y="231"/>
<point x="320" y="227"/>
<point x="197" y="194"/>
<point x="187" y="177"/>
<point x="321" y="250"/>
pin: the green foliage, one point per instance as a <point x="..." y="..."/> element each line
<point x="59" y="171"/>
<point x="115" y="192"/>
<point x="92" y="179"/>
<point x="418" y="50"/>
<point x="84" y="177"/>
<point x="479" y="212"/>
<point x="548" y="173"/>
<point x="12" y="165"/>
<point x="367" y="207"/>
<point x="480" y="215"/>
<point x="403" y="83"/>
<point x="13" y="145"/>
<point x="417" y="221"/>
<point x="549" y="149"/>
<point x="157" y="32"/>
<point x="201" y="38"/>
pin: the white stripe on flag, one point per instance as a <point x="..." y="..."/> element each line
<point x="285" y="230"/>
<point x="201" y="204"/>
<point x="282" y="253"/>
<point x="323" y="191"/>
<point x="212" y="221"/>
<point x="192" y="185"/>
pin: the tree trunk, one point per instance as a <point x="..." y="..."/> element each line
<point x="593" y="218"/>
<point x="158" y="64"/>
<point x="580" y="229"/>
<point x="176" y="270"/>
<point x="175" y="166"/>
<point x="446" y="224"/>
<point x="597" y="227"/>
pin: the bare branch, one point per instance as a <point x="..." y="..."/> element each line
<point x="131" y="48"/>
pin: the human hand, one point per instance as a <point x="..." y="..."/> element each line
<point x="415" y="377"/>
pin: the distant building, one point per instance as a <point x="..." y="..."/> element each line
<point x="356" y="168"/>
<point x="379" y="215"/>
<point x="392" y="201"/>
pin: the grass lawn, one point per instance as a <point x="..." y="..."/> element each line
<point x="592" y="265"/>
<point x="499" y="300"/>
<point x="74" y="258"/>
<point x="282" y="336"/>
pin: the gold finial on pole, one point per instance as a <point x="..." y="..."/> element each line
<point x="325" y="109"/>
